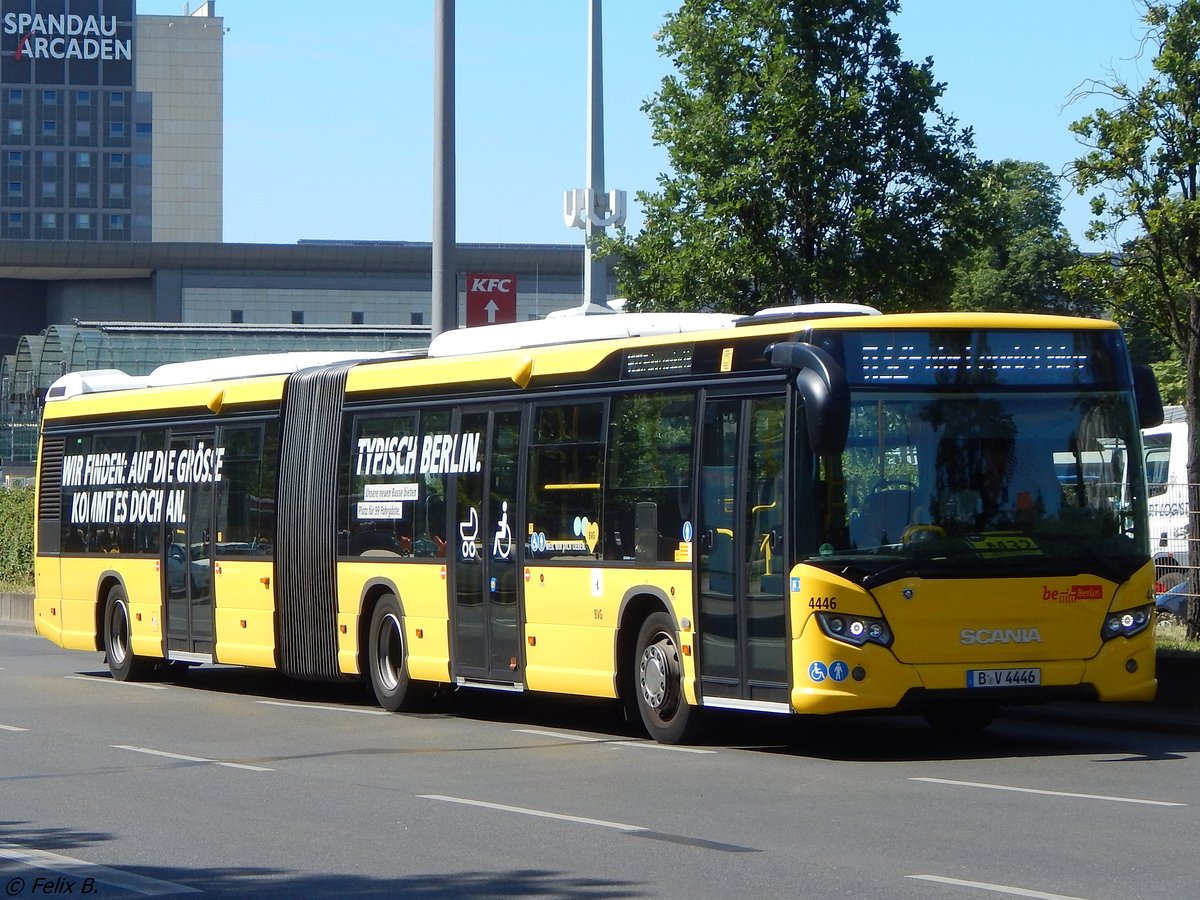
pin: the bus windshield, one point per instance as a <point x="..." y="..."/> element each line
<point x="994" y="480"/>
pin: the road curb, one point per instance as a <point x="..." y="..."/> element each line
<point x="16" y="613"/>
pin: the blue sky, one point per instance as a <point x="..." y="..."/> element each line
<point x="329" y="107"/>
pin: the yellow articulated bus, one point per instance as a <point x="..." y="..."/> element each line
<point x="812" y="510"/>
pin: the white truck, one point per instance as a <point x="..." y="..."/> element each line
<point x="1166" y="448"/>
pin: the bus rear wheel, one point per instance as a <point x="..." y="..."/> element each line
<point x="118" y="643"/>
<point x="658" y="683"/>
<point x="387" y="660"/>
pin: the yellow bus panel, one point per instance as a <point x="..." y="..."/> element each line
<point x="571" y="620"/>
<point x="244" y="612"/>
<point x="421" y="589"/>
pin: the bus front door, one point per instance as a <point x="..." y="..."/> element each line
<point x="188" y="547"/>
<point x="742" y="562"/>
<point x="487" y="541"/>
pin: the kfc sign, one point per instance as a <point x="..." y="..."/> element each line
<point x="491" y="299"/>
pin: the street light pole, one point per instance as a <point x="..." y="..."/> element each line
<point x="445" y="273"/>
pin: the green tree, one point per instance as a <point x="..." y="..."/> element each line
<point x="1022" y="248"/>
<point x="1144" y="159"/>
<point x="810" y="162"/>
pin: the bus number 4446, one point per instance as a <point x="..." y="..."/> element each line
<point x="822" y="602"/>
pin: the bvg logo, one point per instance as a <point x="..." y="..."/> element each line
<point x="491" y="285"/>
<point x="1072" y="594"/>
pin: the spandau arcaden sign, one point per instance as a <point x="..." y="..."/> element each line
<point x="67" y="42"/>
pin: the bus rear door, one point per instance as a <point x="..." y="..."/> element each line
<point x="188" y="549"/>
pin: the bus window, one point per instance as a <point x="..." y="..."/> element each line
<point x="149" y="533"/>
<point x="246" y="506"/>
<point x="566" y="465"/>
<point x="106" y="534"/>
<point x="102" y="486"/>
<point x="392" y="508"/>
<point x="383" y="485"/>
<point x="649" y="476"/>
<point x="881" y="462"/>
<point x="429" y="509"/>
<point x="74" y="527"/>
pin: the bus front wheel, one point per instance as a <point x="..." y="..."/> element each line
<point x="388" y="660"/>
<point x="118" y="646"/>
<point x="658" y="682"/>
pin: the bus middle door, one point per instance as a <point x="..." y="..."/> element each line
<point x="188" y="547"/>
<point x="485" y="548"/>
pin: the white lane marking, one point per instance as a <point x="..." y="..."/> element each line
<point x="199" y="759"/>
<point x="66" y="865"/>
<point x="1022" y="790"/>
<point x="12" y="728"/>
<point x="99" y="680"/>
<point x="349" y="709"/>
<point x="994" y="888"/>
<point x="649" y="745"/>
<point x="581" y="820"/>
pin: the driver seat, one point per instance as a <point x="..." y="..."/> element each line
<point x="883" y="517"/>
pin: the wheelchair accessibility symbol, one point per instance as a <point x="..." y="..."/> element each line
<point x="503" y="540"/>
<point x="817" y="672"/>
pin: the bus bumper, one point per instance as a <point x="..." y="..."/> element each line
<point x="849" y="679"/>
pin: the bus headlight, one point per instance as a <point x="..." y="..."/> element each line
<point x="856" y="630"/>
<point x="1128" y="622"/>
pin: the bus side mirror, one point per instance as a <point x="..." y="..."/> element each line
<point x="822" y="384"/>
<point x="1149" y="401"/>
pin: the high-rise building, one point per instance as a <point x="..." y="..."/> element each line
<point x="110" y="122"/>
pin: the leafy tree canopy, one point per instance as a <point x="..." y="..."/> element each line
<point x="1022" y="247"/>
<point x="1143" y="162"/>
<point x="810" y="159"/>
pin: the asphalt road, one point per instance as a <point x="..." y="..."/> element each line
<point x="238" y="783"/>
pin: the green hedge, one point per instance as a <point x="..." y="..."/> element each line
<point x="16" y="538"/>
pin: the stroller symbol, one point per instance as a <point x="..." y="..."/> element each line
<point x="469" y="531"/>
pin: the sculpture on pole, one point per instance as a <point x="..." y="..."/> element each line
<point x="592" y="208"/>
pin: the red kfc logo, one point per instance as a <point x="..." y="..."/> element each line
<point x="491" y="298"/>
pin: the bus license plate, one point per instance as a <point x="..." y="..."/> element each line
<point x="986" y="678"/>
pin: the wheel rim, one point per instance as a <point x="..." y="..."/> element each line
<point x="118" y="633"/>
<point x="658" y="676"/>
<point x="389" y="653"/>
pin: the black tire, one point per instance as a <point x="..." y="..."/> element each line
<point x="657" y="677"/>
<point x="118" y="646"/>
<point x="963" y="718"/>
<point x="387" y="660"/>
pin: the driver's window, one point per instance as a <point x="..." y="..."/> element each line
<point x="881" y="473"/>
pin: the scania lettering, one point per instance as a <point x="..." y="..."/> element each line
<point x="813" y="510"/>
<point x="1000" y="636"/>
